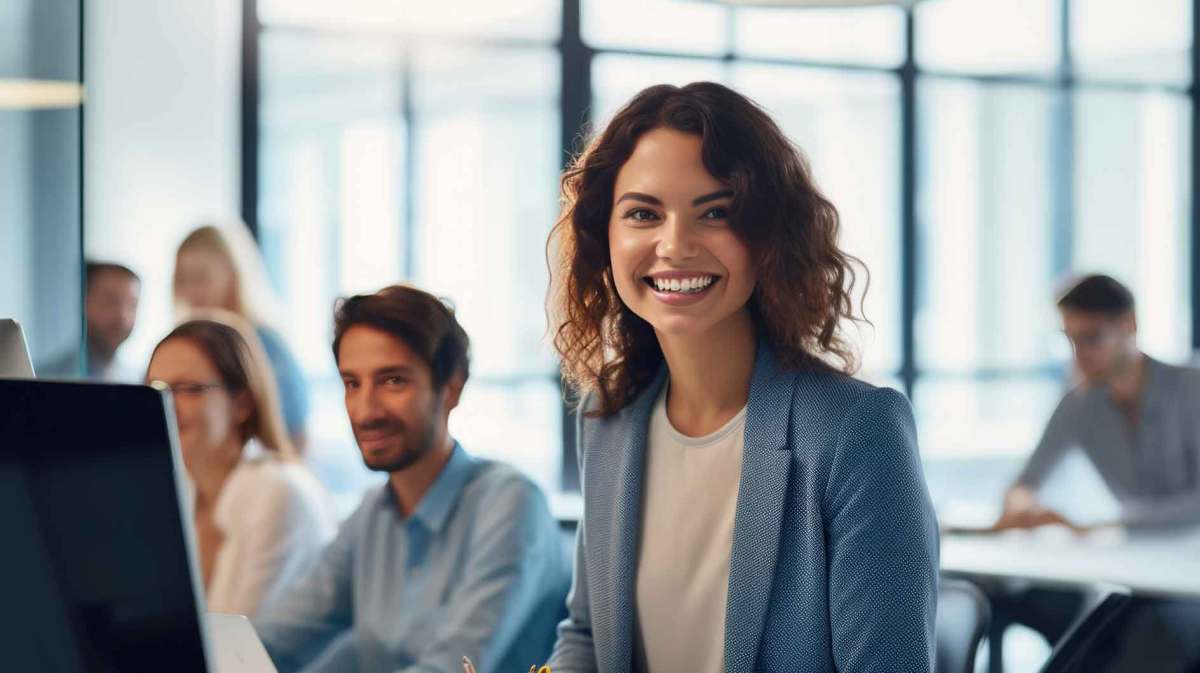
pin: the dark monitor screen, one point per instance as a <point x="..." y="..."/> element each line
<point x="96" y="573"/>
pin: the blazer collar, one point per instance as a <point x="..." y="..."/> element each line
<point x="762" y="493"/>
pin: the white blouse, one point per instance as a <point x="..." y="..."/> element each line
<point x="274" y="517"/>
<point x="689" y="500"/>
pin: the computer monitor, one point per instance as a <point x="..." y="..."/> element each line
<point x="14" y="356"/>
<point x="97" y="571"/>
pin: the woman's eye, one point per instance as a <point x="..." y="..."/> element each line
<point x="641" y="215"/>
<point x="716" y="213"/>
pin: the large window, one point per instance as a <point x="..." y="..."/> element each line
<point x="978" y="153"/>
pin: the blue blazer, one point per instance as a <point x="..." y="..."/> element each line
<point x="834" y="564"/>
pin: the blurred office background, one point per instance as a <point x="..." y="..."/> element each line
<point x="979" y="152"/>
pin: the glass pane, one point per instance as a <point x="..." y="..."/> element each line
<point x="486" y="153"/>
<point x="1143" y="41"/>
<point x="40" y="193"/>
<point x="514" y="421"/>
<point x="1132" y="204"/>
<point x="975" y="436"/>
<point x="1016" y="36"/>
<point x="615" y="79"/>
<point x="331" y="174"/>
<point x="985" y="209"/>
<point x="863" y="35"/>
<point x="694" y="27"/>
<point x="848" y="126"/>
<point x="526" y="19"/>
<point x="975" y="418"/>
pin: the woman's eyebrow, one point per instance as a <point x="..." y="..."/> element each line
<point x="712" y="197"/>
<point x="638" y="196"/>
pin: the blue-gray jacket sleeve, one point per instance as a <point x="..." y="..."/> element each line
<point x="882" y="542"/>
<point x="575" y="652"/>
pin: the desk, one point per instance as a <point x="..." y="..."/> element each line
<point x="1165" y="564"/>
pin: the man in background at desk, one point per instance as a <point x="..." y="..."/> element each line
<point x="1138" y="422"/>
<point x="455" y="556"/>
<point x="110" y="309"/>
<point x="1135" y="418"/>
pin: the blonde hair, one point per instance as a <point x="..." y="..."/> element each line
<point x="241" y="363"/>
<point x="253" y="297"/>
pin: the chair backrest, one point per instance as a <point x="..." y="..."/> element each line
<point x="962" y="620"/>
<point x="1071" y="652"/>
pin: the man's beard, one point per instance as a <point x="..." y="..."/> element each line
<point x="417" y="442"/>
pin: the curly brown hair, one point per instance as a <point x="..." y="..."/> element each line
<point x="805" y="283"/>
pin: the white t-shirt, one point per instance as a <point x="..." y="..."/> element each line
<point x="275" y="518"/>
<point x="689" y="497"/>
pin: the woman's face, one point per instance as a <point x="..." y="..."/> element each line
<point x="207" y="413"/>
<point x="203" y="279"/>
<point x="675" y="258"/>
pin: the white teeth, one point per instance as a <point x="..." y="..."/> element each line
<point x="686" y="285"/>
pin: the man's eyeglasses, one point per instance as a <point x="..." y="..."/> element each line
<point x="1090" y="339"/>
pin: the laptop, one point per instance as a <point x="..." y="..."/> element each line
<point x="236" y="647"/>
<point x="99" y="571"/>
<point x="14" y="355"/>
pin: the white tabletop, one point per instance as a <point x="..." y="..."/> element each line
<point x="1146" y="563"/>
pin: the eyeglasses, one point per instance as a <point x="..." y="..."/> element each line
<point x="186" y="388"/>
<point x="1090" y="339"/>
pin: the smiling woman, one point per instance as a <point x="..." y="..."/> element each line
<point x="652" y="174"/>
<point x="748" y="506"/>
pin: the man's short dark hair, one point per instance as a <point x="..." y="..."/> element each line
<point x="94" y="269"/>
<point x="1097" y="293"/>
<point x="423" y="322"/>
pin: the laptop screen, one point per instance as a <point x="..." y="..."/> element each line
<point x="14" y="355"/>
<point x="96" y="574"/>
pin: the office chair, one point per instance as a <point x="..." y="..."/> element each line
<point x="962" y="620"/>
<point x="1107" y="605"/>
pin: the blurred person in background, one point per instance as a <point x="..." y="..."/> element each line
<point x="220" y="266"/>
<point x="1135" y="418"/>
<point x="260" y="515"/>
<point x="1136" y="421"/>
<point x="110" y="307"/>
<point x="455" y="555"/>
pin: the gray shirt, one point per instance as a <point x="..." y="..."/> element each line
<point x="1151" y="468"/>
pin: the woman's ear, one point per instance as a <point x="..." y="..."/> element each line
<point x="243" y="408"/>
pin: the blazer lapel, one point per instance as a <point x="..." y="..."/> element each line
<point x="762" y="492"/>
<point x="627" y="506"/>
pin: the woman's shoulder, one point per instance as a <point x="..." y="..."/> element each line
<point x="273" y="486"/>
<point x="838" y="397"/>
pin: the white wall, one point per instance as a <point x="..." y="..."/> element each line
<point x="161" y="137"/>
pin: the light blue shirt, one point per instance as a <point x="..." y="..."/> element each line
<point x="478" y="569"/>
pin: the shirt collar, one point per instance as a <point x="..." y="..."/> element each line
<point x="439" y="501"/>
